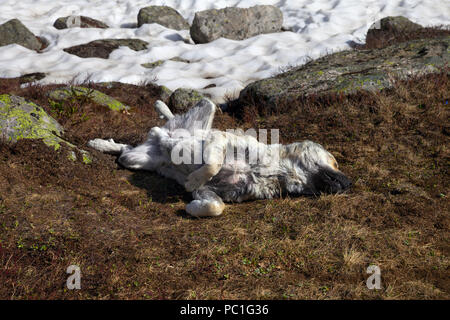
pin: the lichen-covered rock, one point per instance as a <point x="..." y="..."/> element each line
<point x="22" y="119"/>
<point x="103" y="48"/>
<point x="351" y="70"/>
<point x="164" y="94"/>
<point x="13" y="31"/>
<point x="181" y="100"/>
<point x="78" y="22"/>
<point x="163" y="15"/>
<point x="235" y="23"/>
<point x="94" y="95"/>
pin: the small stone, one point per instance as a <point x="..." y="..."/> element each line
<point x="103" y="48"/>
<point x="78" y="22"/>
<point x="182" y="100"/>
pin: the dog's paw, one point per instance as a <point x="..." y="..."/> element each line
<point x="204" y="208"/>
<point x="98" y="144"/>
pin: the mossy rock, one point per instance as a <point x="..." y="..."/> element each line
<point x="349" y="71"/>
<point x="164" y="94"/>
<point x="181" y="100"/>
<point x="23" y="119"/>
<point x="94" y="95"/>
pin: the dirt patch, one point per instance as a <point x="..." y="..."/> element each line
<point x="132" y="239"/>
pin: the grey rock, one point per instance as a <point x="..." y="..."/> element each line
<point x="349" y="71"/>
<point x="13" y="31"/>
<point x="163" y="15"/>
<point x="235" y="23"/>
<point x="78" y="21"/>
<point x="103" y="48"/>
<point x="181" y="100"/>
<point x="390" y="26"/>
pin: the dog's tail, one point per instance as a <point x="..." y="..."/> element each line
<point x="108" y="146"/>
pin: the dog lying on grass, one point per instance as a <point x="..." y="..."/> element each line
<point x="254" y="170"/>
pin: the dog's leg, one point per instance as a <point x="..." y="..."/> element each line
<point x="143" y="157"/>
<point x="213" y="156"/>
<point x="163" y="110"/>
<point x="108" y="146"/>
<point x="206" y="204"/>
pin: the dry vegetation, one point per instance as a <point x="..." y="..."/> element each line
<point x="132" y="239"/>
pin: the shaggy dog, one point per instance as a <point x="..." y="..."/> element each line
<point x="219" y="166"/>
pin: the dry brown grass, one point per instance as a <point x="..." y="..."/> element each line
<point x="132" y="239"/>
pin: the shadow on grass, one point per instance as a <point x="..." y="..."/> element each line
<point x="158" y="188"/>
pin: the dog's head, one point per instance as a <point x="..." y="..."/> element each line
<point x="312" y="170"/>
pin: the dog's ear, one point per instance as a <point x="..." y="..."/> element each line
<point x="199" y="117"/>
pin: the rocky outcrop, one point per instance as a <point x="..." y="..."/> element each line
<point x="103" y="48"/>
<point x="78" y="22"/>
<point x="181" y="100"/>
<point x="163" y="15"/>
<point x="96" y="96"/>
<point x="13" y="31"/>
<point x="352" y="70"/>
<point x="235" y="23"/>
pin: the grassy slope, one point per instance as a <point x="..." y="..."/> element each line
<point x="132" y="239"/>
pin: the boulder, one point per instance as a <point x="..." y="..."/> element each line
<point x="181" y="100"/>
<point x="349" y="71"/>
<point x="103" y="48"/>
<point x="235" y="23"/>
<point x="13" y="31"/>
<point x="78" y="22"/>
<point x="22" y="119"/>
<point x="98" y="97"/>
<point x="390" y="27"/>
<point x="163" y="15"/>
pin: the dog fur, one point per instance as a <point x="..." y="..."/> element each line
<point x="303" y="168"/>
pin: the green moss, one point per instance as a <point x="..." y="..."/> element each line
<point x="72" y="156"/>
<point x="94" y="95"/>
<point x="86" y="157"/>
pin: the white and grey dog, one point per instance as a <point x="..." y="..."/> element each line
<point x="303" y="168"/>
